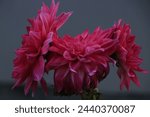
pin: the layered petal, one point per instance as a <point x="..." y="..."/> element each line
<point x="126" y="55"/>
<point x="80" y="62"/>
<point x="29" y="64"/>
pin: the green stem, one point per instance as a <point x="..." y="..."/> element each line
<point x="91" y="94"/>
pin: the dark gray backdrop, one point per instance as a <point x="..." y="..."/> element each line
<point x="86" y="14"/>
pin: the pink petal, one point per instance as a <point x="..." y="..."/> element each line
<point x="61" y="19"/>
<point x="18" y="82"/>
<point x="44" y="8"/>
<point x="93" y="83"/>
<point x="133" y="77"/>
<point x="28" y="85"/>
<point x="135" y="80"/>
<point x="74" y="66"/>
<point x="34" y="87"/>
<point x="38" y="70"/>
<point x="91" y="69"/>
<point x="68" y="87"/>
<point x="68" y="56"/>
<point x="46" y="43"/>
<point x="53" y="9"/>
<point x="59" y="76"/>
<point x="45" y="21"/>
<point x="56" y="50"/>
<point x="92" y="49"/>
<point x="83" y="35"/>
<point x="77" y="81"/>
<point x="86" y="82"/>
<point x="55" y="61"/>
<point x="44" y="86"/>
<point x="44" y="32"/>
<point x="125" y="82"/>
<point x="31" y="21"/>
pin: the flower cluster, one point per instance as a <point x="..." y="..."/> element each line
<point x="79" y="62"/>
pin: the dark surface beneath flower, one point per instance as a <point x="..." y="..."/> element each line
<point x="7" y="94"/>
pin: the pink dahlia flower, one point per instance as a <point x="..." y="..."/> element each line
<point x="29" y="64"/>
<point x="126" y="55"/>
<point x="80" y="62"/>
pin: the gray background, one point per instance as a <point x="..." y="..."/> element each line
<point x="86" y="14"/>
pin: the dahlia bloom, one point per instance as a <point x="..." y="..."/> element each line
<point x="29" y="63"/>
<point x="126" y="54"/>
<point x="80" y="62"/>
